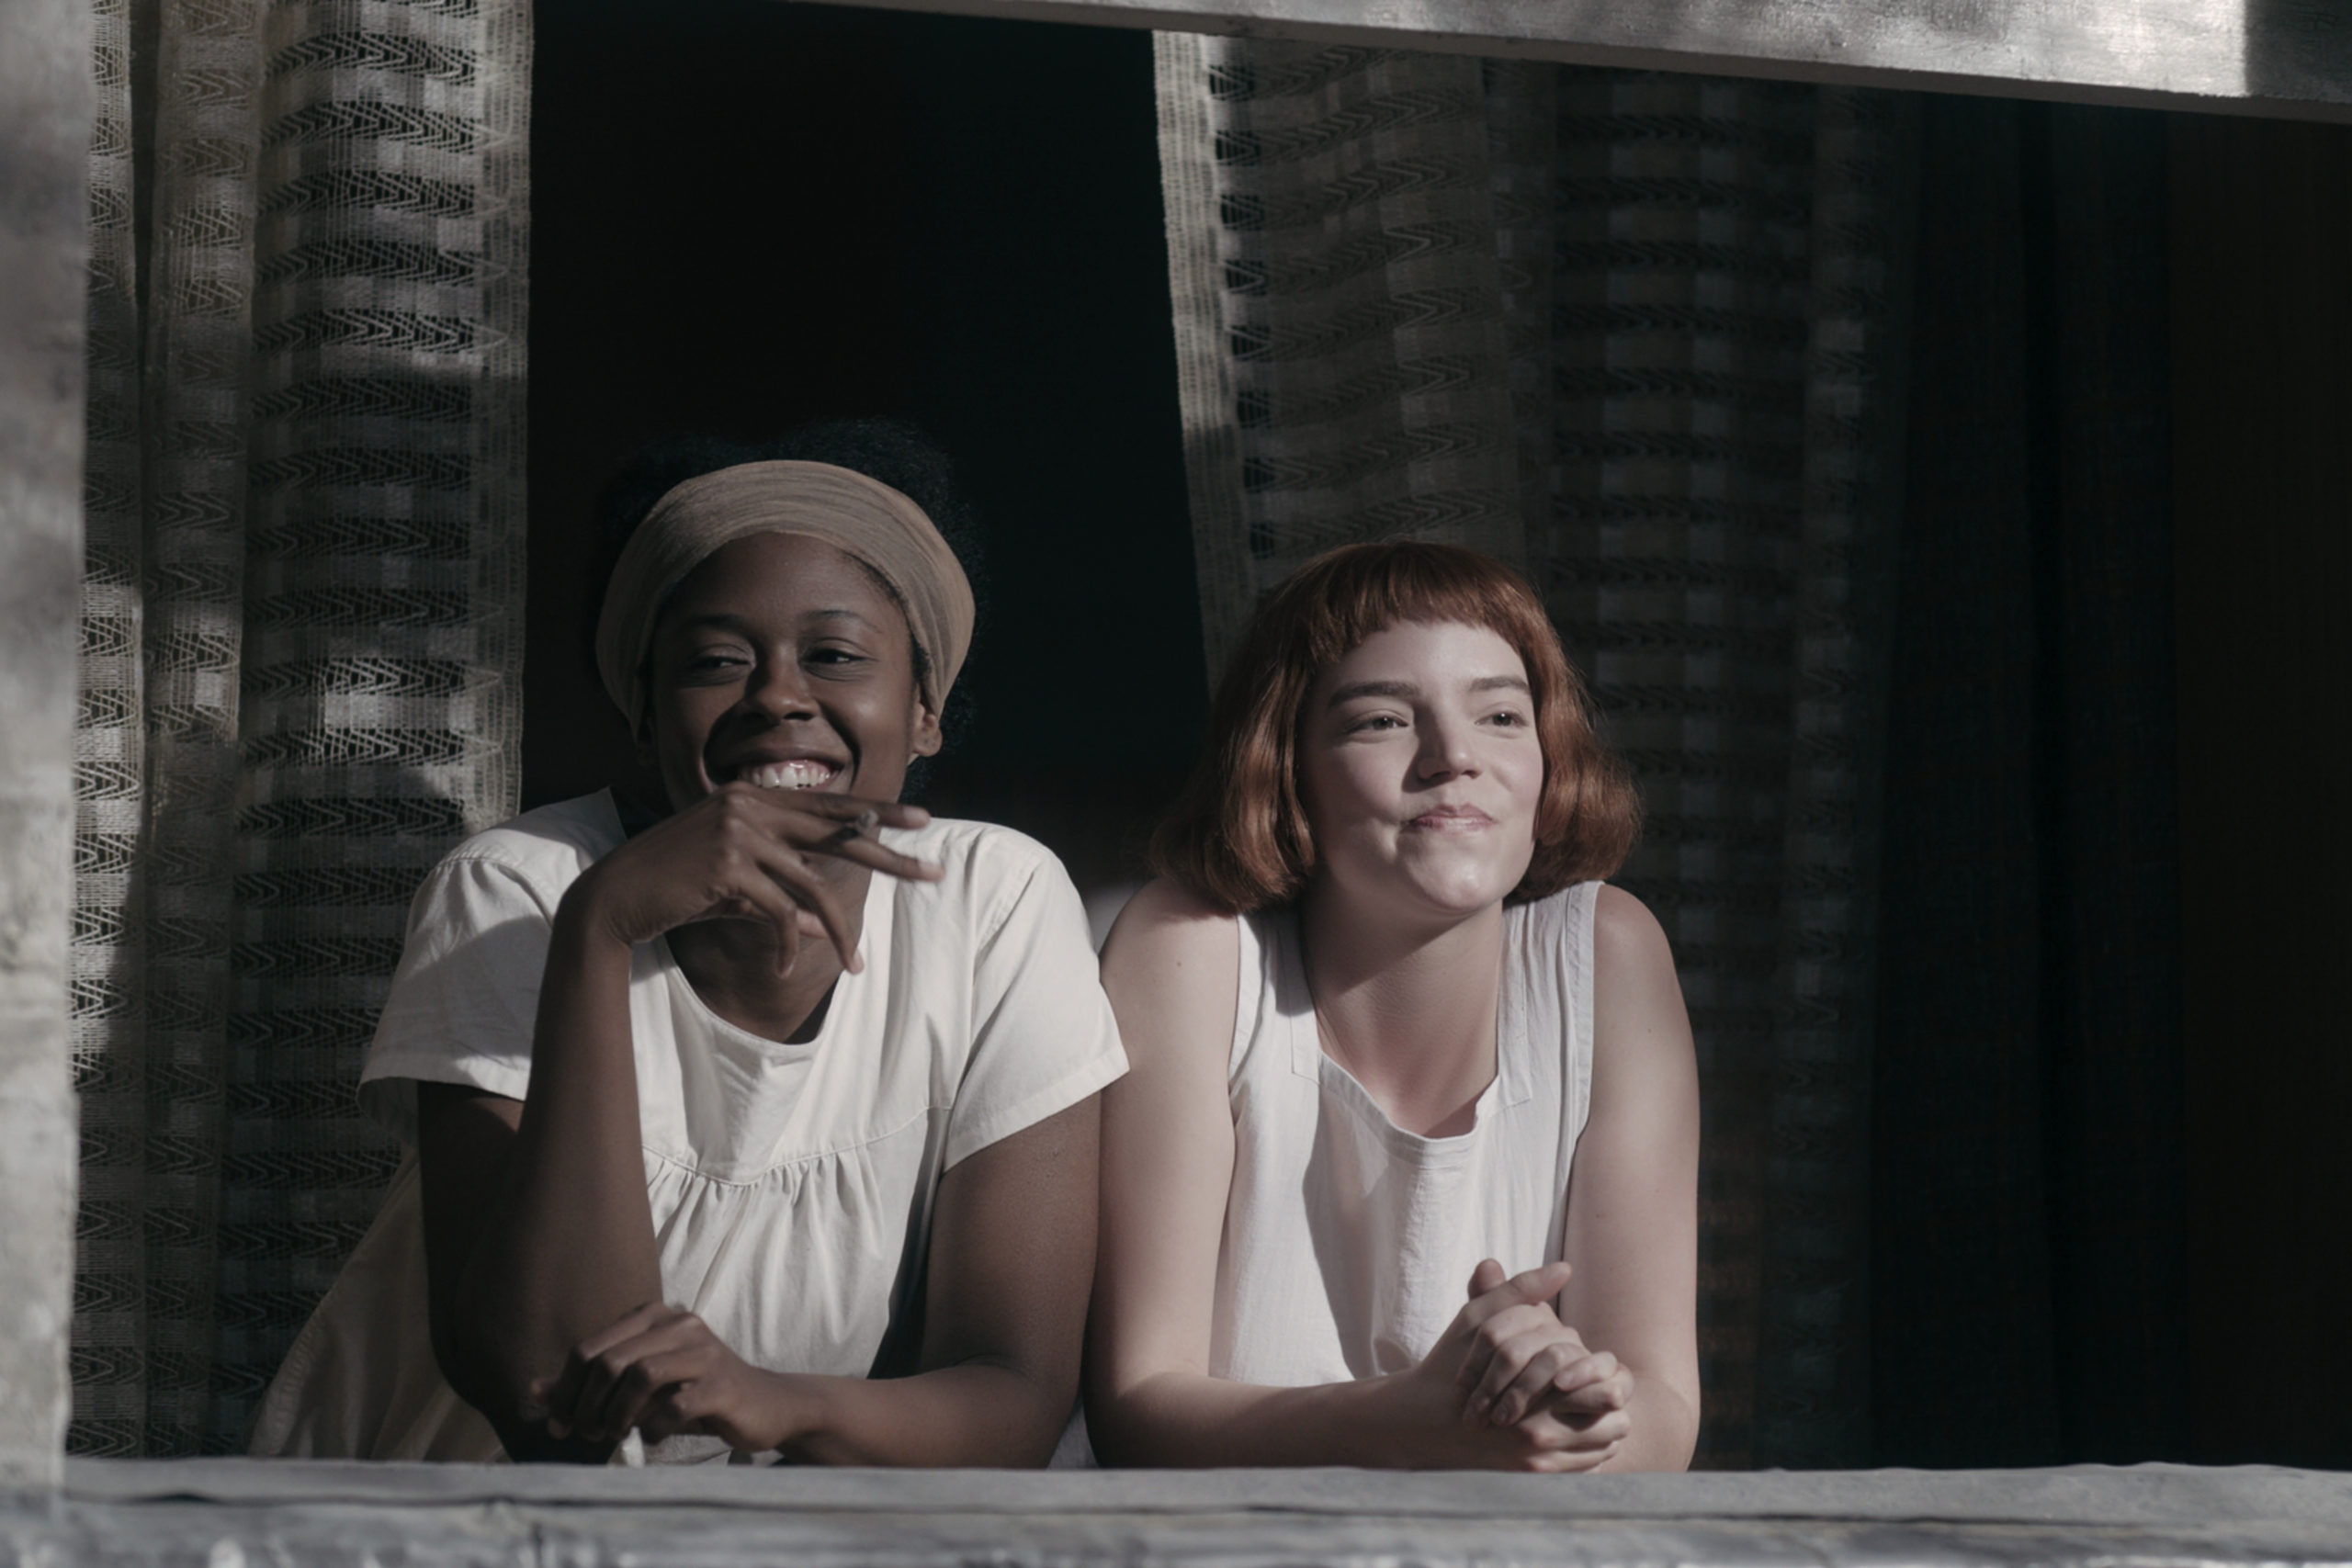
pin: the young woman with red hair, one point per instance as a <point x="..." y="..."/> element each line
<point x="1405" y="1170"/>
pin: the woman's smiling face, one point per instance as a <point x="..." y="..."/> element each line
<point x="782" y="661"/>
<point x="1420" y="770"/>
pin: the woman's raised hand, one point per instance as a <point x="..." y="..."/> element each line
<point x="751" y="853"/>
<point x="662" y="1370"/>
<point x="1524" y="1369"/>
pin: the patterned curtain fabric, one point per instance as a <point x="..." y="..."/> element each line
<point x="1339" y="316"/>
<point x="301" y="636"/>
<point x="1641" y="333"/>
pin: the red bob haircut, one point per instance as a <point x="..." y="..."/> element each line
<point x="1238" y="834"/>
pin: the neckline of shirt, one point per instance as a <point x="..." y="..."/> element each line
<point x="1508" y="1088"/>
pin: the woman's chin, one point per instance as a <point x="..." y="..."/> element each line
<point x="1461" y="884"/>
<point x="1419" y="885"/>
<point x="1455" y="897"/>
<point x="1462" y="904"/>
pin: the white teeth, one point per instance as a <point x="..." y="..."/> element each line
<point x="798" y="774"/>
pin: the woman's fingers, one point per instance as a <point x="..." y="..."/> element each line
<point x="1500" y="1351"/>
<point x="582" y="1383"/>
<point x="651" y="1372"/>
<point x="559" y="1397"/>
<point x="830" y="829"/>
<point x="1505" y="1399"/>
<point x="712" y="859"/>
<point x="637" y="1370"/>
<point x="1482" y="1323"/>
<point x="1535" y="1287"/>
<point x="1598" y="1381"/>
<point x="1606" y="1432"/>
<point x="688" y="1404"/>
<point x="843" y="826"/>
<point x="841" y="807"/>
<point x="629" y="1365"/>
<point x="665" y="1414"/>
<point x="713" y="1392"/>
<point x="1504" y="1346"/>
<point x="1546" y="1431"/>
<point x="1500" y="1312"/>
<point x="589" y="1418"/>
<point x="851" y="842"/>
<point x="801" y="887"/>
<point x="1484" y="1334"/>
<point x="1541" y="1284"/>
<point x="762" y="897"/>
<point x="1612" y="1390"/>
<point x="1570" y="1462"/>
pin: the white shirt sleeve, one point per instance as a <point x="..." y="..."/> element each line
<point x="1042" y="1036"/>
<point x="465" y="994"/>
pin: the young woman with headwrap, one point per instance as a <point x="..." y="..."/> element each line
<point x="770" y="1127"/>
<point x="1406" y="1173"/>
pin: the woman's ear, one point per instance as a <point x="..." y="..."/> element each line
<point x="927" y="739"/>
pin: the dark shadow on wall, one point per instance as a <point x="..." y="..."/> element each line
<point x="2297" y="49"/>
<point x="749" y="215"/>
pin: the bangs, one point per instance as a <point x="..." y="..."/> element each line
<point x="1237" y="835"/>
<point x="1362" y="595"/>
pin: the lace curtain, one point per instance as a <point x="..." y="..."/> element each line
<point x="1639" y="334"/>
<point x="301" y="639"/>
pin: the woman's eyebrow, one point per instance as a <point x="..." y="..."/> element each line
<point x="1407" y="688"/>
<point x="1373" y="689"/>
<point x="723" y="621"/>
<point x="717" y="620"/>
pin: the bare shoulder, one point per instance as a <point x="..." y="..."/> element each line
<point x="1165" y="924"/>
<point x="1626" y="938"/>
<point x="1638" y="1012"/>
<point x="1172" y="967"/>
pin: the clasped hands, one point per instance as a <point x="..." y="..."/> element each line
<point x="1527" y="1378"/>
<point x="1524" y="1390"/>
<point x="1524" y="1393"/>
<point x="662" y="1371"/>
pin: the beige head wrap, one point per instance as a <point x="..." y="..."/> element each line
<point x="855" y="514"/>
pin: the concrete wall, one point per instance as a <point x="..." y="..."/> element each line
<point x="231" y="1513"/>
<point x="2290" y="58"/>
<point x="45" y="108"/>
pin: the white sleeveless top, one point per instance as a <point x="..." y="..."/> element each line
<point x="1349" y="1242"/>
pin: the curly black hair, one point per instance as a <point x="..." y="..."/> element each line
<point x="892" y="451"/>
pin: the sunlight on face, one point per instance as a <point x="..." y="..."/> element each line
<point x="1420" y="769"/>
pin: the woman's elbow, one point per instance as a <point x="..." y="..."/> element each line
<point x="1673" y="1436"/>
<point x="1120" y="1421"/>
<point x="470" y="1363"/>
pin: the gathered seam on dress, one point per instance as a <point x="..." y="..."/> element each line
<point x="761" y="1174"/>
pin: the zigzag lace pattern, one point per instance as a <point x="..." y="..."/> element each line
<point x="302" y="652"/>
<point x="1348" y="301"/>
<point x="1634" y="331"/>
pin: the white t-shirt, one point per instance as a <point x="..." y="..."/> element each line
<point x="791" y="1185"/>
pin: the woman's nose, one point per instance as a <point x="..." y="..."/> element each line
<point x="779" y="687"/>
<point x="1446" y="751"/>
